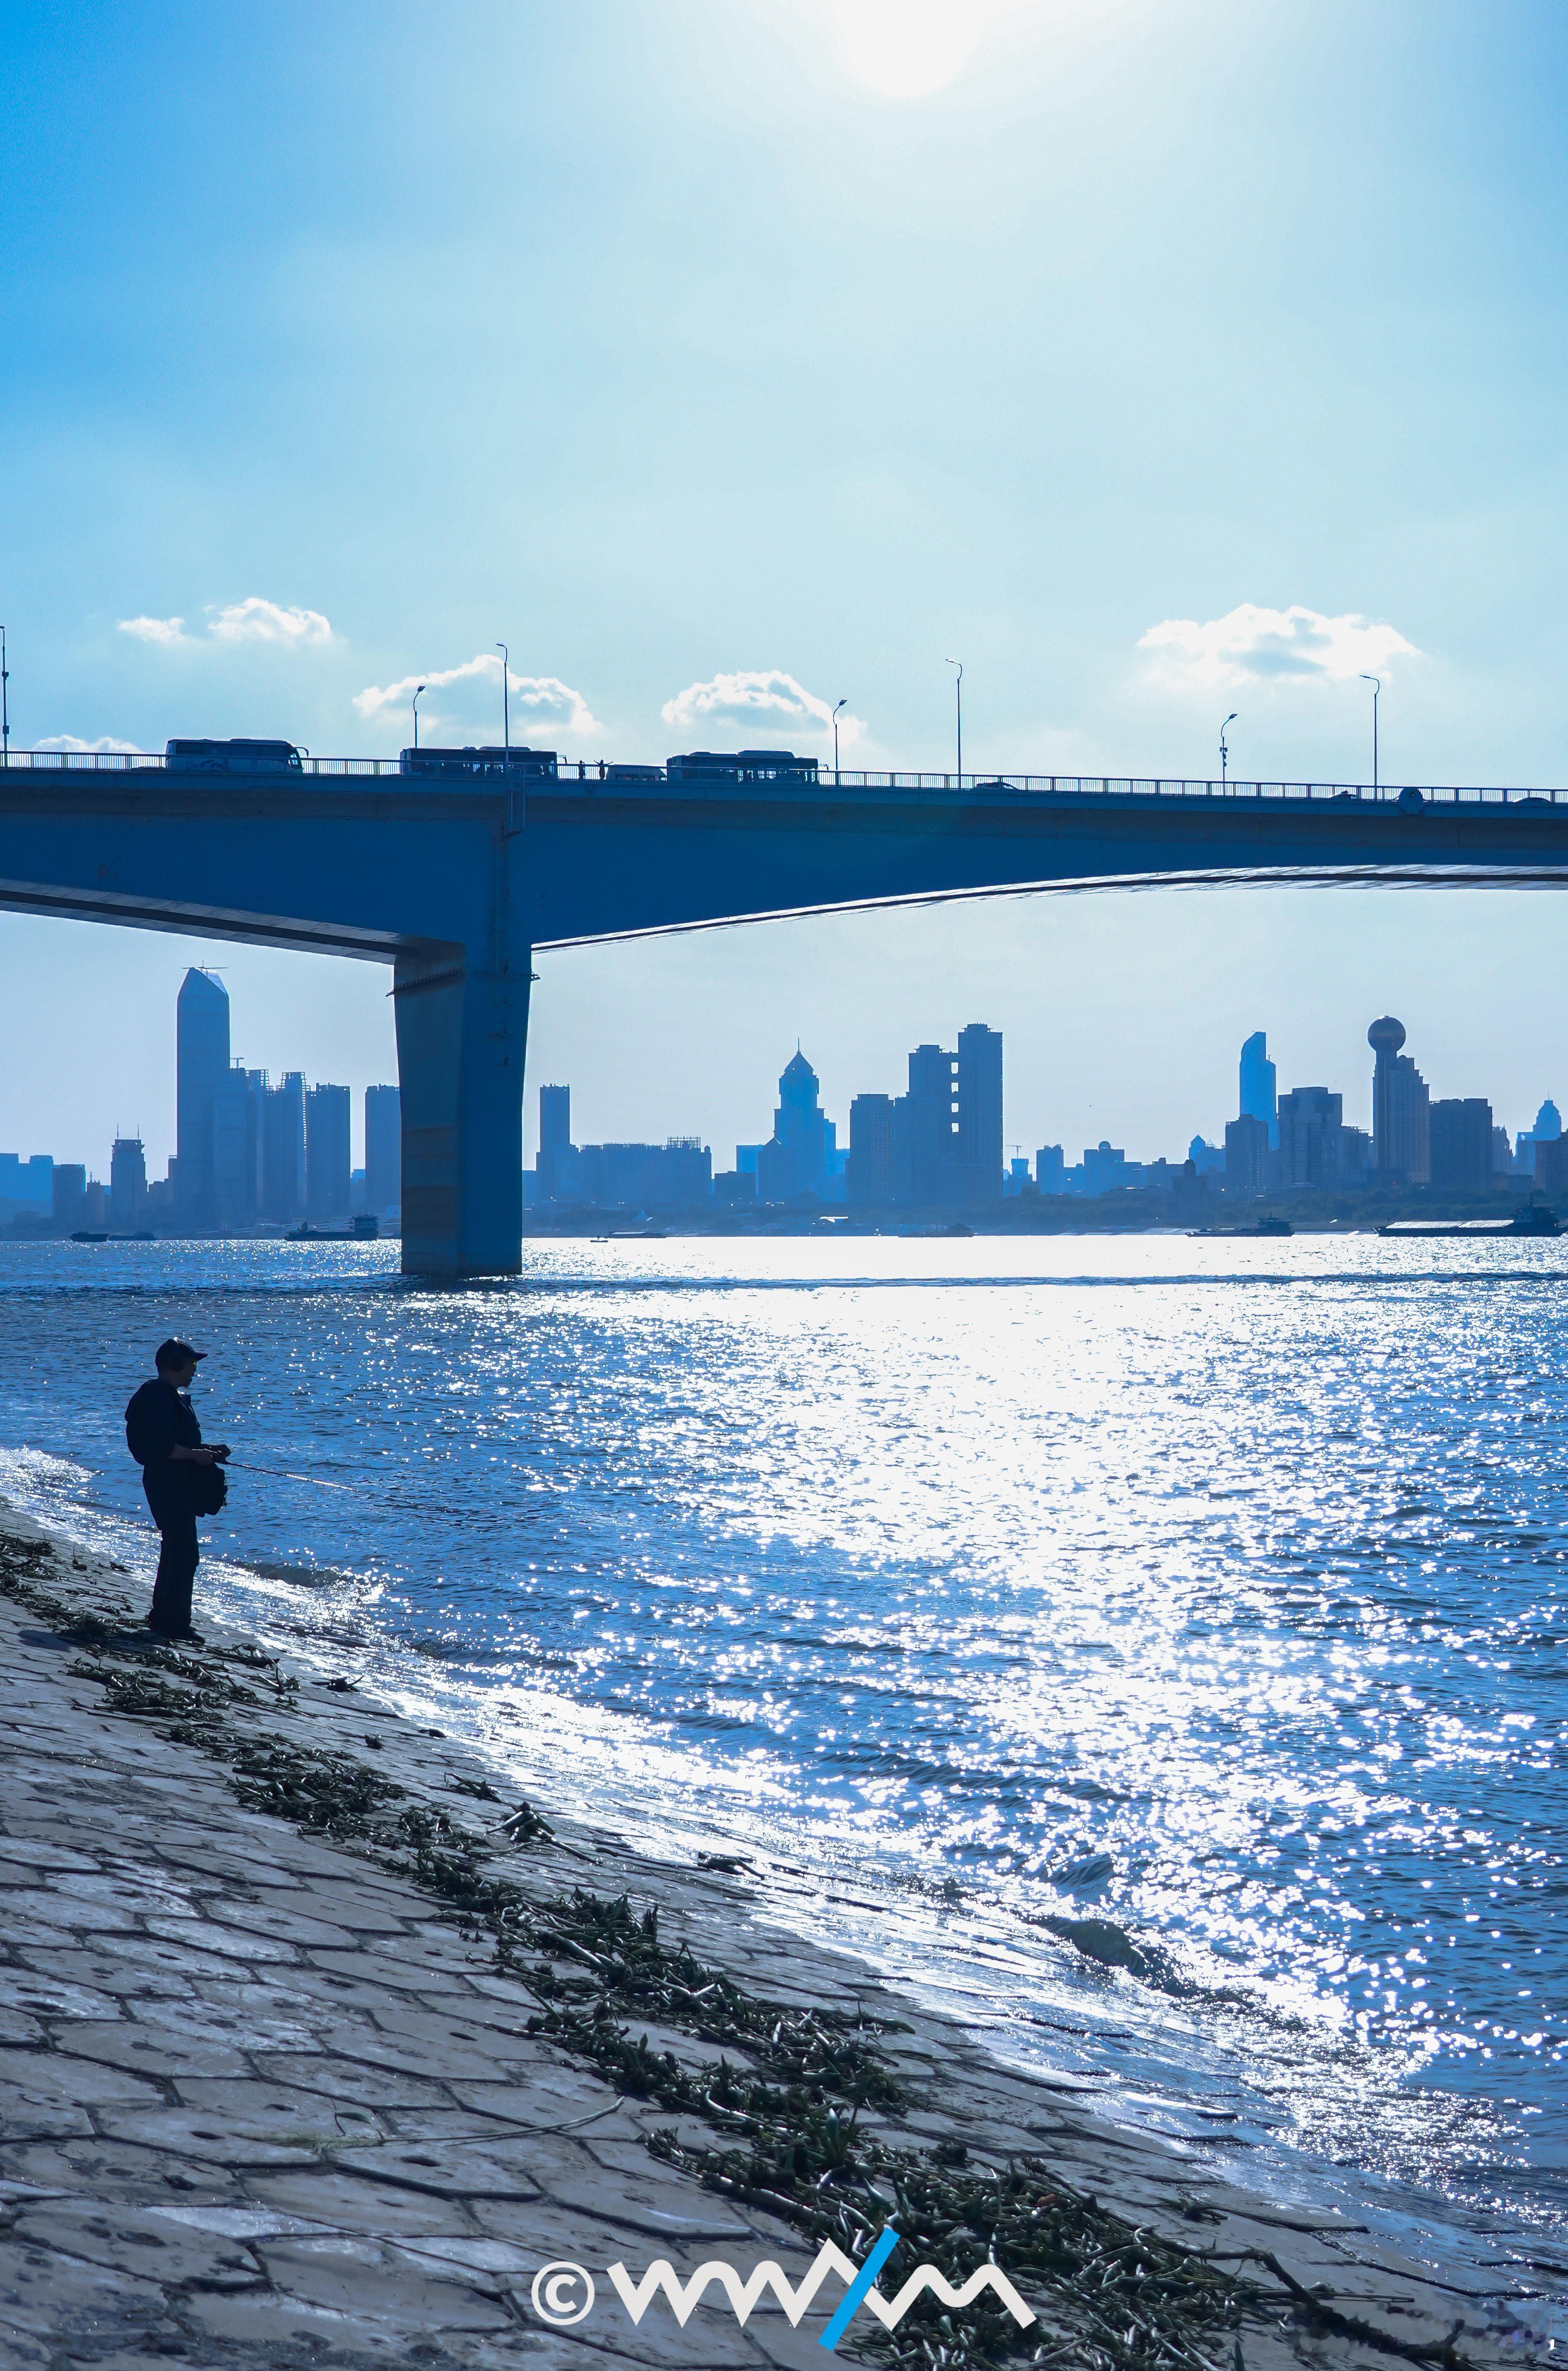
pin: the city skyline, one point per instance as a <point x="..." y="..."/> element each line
<point x="648" y="1048"/>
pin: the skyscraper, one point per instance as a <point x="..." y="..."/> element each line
<point x="1400" y="1108"/>
<point x="867" y="1180"/>
<point x="1259" y="1085"/>
<point x="201" y="1062"/>
<point x="927" y="1146"/>
<point x="127" y="1185"/>
<point x="979" y="1113"/>
<point x="1461" y="1143"/>
<point x="283" y="1150"/>
<point x="1246" y="1154"/>
<point x="238" y="1107"/>
<point x="794" y="1160"/>
<point x="1310" y="1123"/>
<point x="555" y="1142"/>
<point x="383" y="1148"/>
<point x="327" y="1160"/>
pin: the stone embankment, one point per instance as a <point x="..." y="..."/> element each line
<point x="314" y="2049"/>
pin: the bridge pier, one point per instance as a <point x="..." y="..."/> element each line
<point x="462" y="1033"/>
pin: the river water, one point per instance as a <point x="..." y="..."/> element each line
<point x="1210" y="1590"/>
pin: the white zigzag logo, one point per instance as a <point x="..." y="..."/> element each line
<point x="744" y="2295"/>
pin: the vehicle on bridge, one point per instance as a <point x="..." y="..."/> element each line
<point x="741" y="766"/>
<point x="481" y="765"/>
<point x="233" y="758"/>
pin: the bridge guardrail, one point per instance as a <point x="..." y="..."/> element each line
<point x="588" y="776"/>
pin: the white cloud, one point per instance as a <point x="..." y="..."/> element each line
<point x="255" y="621"/>
<point x="1253" y="646"/>
<point x="539" y="702"/>
<point x="251" y="620"/>
<point x="75" y="748"/>
<point x="756" y="700"/>
<point x="155" y="630"/>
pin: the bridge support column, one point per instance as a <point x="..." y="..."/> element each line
<point x="462" y="1033"/>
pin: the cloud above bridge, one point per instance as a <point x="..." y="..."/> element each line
<point x="540" y="704"/>
<point x="77" y="748"/>
<point x="756" y="700"/>
<point x="1250" y="645"/>
<point x="250" y="620"/>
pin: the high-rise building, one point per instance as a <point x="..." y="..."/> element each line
<point x="927" y="1131"/>
<point x="327" y="1155"/>
<point x="69" y="1197"/>
<point x="127" y="1185"/>
<point x="1051" y="1169"/>
<point x="1310" y="1122"/>
<point x="1461" y="1143"/>
<point x="555" y="1142"/>
<point x="979" y="1129"/>
<point x="238" y="1127"/>
<point x="1401" y="1108"/>
<point x="1246" y="1154"/>
<point x="283" y="1150"/>
<point x="1106" y="1169"/>
<point x="869" y="1179"/>
<point x="795" y="1159"/>
<point x="1258" y="1082"/>
<point x="383" y="1148"/>
<point x="202" y="1062"/>
<point x="27" y="1186"/>
<point x="1551" y="1161"/>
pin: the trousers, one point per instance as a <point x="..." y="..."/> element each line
<point x="177" y="1559"/>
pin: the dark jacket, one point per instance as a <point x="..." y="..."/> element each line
<point x="159" y="1419"/>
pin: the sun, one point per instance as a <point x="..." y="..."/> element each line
<point x="907" y="48"/>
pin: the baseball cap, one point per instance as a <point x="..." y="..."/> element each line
<point x="175" y="1353"/>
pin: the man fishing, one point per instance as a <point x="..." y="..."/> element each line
<point x="165" y="1438"/>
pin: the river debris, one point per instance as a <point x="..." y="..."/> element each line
<point x="801" y="2105"/>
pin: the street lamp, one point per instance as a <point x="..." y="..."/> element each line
<point x="958" y="696"/>
<point x="843" y="703"/>
<point x="4" y="704"/>
<point x="1224" y="752"/>
<point x="417" y="717"/>
<point x="506" y="697"/>
<point x="1376" y="683"/>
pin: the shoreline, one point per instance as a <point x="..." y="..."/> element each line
<point x="280" y="1956"/>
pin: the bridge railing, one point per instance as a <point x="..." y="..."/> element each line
<point x="590" y="778"/>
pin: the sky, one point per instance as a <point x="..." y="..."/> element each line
<point x="726" y="358"/>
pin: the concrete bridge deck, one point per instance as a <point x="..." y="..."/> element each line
<point x="454" y="881"/>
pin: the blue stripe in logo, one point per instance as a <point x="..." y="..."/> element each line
<point x="858" y="2287"/>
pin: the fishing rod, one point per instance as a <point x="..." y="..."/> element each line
<point x="281" y="1473"/>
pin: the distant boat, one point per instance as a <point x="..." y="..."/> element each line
<point x="1534" y="1220"/>
<point x="85" y="1235"/>
<point x="1266" y="1226"/>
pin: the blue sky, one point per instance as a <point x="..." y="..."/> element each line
<point x="728" y="356"/>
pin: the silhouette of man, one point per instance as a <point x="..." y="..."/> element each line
<point x="165" y="1438"/>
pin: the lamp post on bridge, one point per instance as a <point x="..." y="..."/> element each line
<point x="1376" y="683"/>
<point x="1224" y="752"/>
<point x="958" y="696"/>
<point x="4" y="704"/>
<point x="843" y="703"/>
<point x="505" y="698"/>
<point x="417" y="717"/>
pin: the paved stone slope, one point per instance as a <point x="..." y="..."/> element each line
<point x="262" y="2104"/>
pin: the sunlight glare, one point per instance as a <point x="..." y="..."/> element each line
<point x="908" y="48"/>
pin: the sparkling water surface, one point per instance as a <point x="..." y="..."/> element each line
<point x="1211" y="1589"/>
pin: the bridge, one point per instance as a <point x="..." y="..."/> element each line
<point x="454" y="879"/>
